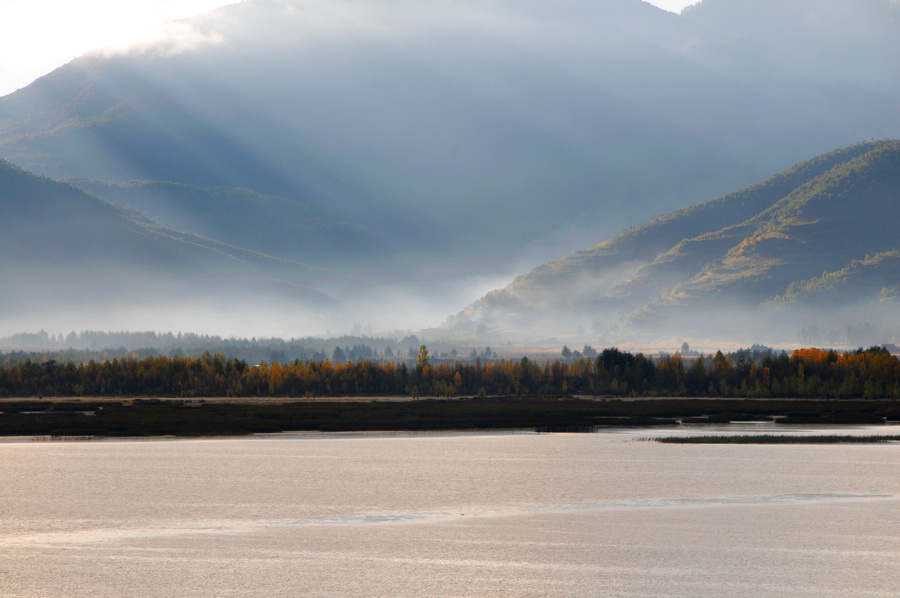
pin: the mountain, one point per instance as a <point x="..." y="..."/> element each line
<point x="271" y="224"/>
<point x="422" y="150"/>
<point x="552" y="122"/>
<point x="69" y="252"/>
<point x="869" y="276"/>
<point x="817" y="240"/>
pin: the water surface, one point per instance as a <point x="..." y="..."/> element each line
<point x="448" y="515"/>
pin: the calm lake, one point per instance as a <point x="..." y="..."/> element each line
<point x="513" y="514"/>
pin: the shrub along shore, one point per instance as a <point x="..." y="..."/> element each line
<point x="810" y="386"/>
<point x="807" y="373"/>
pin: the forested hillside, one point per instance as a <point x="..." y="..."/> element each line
<point x="752" y="259"/>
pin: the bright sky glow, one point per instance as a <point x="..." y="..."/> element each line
<point x="672" y="5"/>
<point x="37" y="36"/>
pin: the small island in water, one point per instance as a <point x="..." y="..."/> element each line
<point x="778" y="439"/>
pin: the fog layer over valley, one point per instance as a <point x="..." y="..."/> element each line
<point x="810" y="248"/>
<point x="293" y="167"/>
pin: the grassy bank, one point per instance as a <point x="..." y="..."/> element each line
<point x="155" y="417"/>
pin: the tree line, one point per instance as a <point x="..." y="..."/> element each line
<point x="101" y="346"/>
<point x="806" y="373"/>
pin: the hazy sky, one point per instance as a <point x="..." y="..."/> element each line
<point x="37" y="36"/>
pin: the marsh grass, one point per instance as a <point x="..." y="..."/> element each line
<point x="160" y="417"/>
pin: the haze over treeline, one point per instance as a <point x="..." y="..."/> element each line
<point x="86" y="345"/>
<point x="809" y="373"/>
<point x="297" y="167"/>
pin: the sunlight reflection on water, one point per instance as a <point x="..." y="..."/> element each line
<point x="450" y="514"/>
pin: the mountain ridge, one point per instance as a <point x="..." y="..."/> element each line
<point x="400" y="120"/>
<point x="69" y="251"/>
<point x="416" y="152"/>
<point x="826" y="213"/>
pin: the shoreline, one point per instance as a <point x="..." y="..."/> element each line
<point x="142" y="417"/>
<point x="406" y="399"/>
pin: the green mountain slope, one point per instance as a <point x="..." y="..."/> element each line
<point x="838" y="216"/>
<point x="872" y="275"/>
<point x="761" y="247"/>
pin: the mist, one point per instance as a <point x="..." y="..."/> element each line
<point x="238" y="306"/>
<point x="382" y="165"/>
